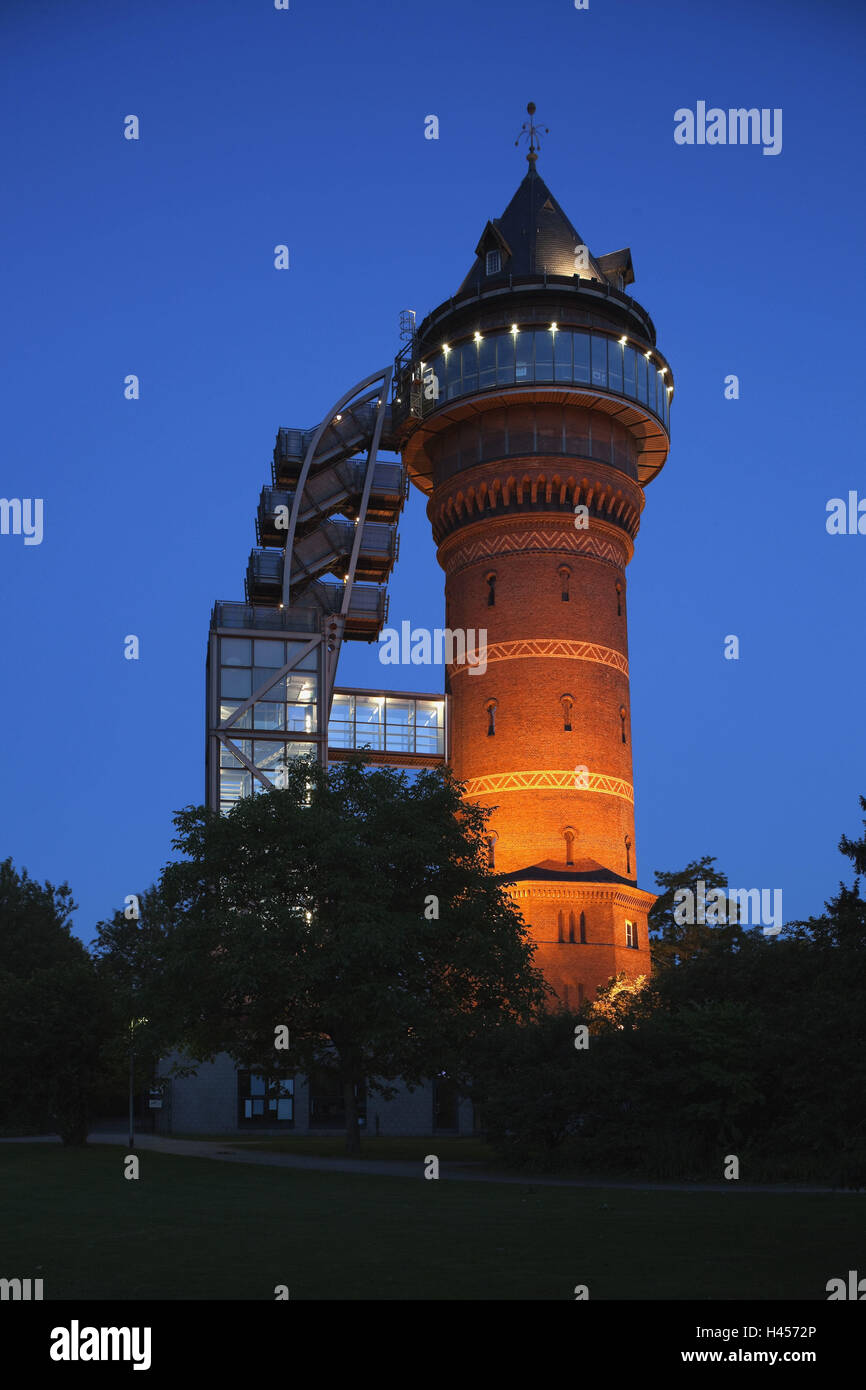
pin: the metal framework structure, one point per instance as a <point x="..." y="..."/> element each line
<point x="357" y="408"/>
<point x="327" y="529"/>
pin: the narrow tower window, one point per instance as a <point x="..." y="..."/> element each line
<point x="567" y="702"/>
<point x="491" y="851"/>
<point x="569" y="844"/>
<point x="494" y="262"/>
<point x="622" y="714"/>
<point x="491" y="590"/>
<point x="560" y="927"/>
<point x="631" y="935"/>
<point x="583" y="928"/>
<point x="627" y="854"/>
<point x="491" y="717"/>
<point x="571" y="927"/>
<point x="565" y="579"/>
<point x="619" y="600"/>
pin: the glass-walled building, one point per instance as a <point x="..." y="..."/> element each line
<point x="267" y="707"/>
<point x="264" y="694"/>
<point x="410" y="726"/>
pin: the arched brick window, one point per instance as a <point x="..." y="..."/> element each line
<point x="618" y="599"/>
<point x="565" y="579"/>
<point x="627" y="854"/>
<point x="582" y="925"/>
<point x="567" y="702"/>
<point x="490" y="581"/>
<point x="571" y="927"/>
<point x="622" y="718"/>
<point x="560" y="927"/>
<point x="568" y="835"/>
<point x="491" y="717"/>
<point x="491" y="849"/>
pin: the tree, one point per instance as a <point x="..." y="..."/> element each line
<point x="737" y="1044"/>
<point x="55" y="1014"/>
<point x="831" y="1074"/>
<point x="856" y="849"/>
<point x="673" y="941"/>
<point x="131" y="959"/>
<point x="355" y="909"/>
<point x="529" y="1081"/>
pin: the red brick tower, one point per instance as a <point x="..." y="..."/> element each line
<point x="539" y="411"/>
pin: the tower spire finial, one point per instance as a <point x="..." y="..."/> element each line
<point x="533" y="132"/>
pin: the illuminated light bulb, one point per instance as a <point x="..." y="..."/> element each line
<point x="478" y="338"/>
<point x="623" y="342"/>
<point x="663" y="370"/>
<point x="337" y="417"/>
<point x="554" y="327"/>
<point x="514" y="328"/>
<point x="670" y="389"/>
<point x="446" y="349"/>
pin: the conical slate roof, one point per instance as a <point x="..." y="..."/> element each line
<point x="533" y="235"/>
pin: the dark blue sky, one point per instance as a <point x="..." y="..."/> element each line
<point x="307" y="127"/>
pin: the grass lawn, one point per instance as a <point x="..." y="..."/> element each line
<point x="194" y="1228"/>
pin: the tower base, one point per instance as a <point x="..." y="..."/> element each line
<point x="581" y="930"/>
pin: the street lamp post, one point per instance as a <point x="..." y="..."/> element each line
<point x="131" y="1087"/>
<point x="133" y="1024"/>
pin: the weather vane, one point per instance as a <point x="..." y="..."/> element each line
<point x="531" y="131"/>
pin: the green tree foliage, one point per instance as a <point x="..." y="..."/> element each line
<point x="55" y="1013"/>
<point x="131" y="960"/>
<point x="673" y="942"/>
<point x="312" y="907"/>
<point x="529" y="1087"/>
<point x="856" y="849"/>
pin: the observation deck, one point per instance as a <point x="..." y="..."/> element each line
<point x="623" y="384"/>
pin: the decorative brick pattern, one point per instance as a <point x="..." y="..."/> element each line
<point x="545" y="778"/>
<point x="560" y="541"/>
<point x="556" y="647"/>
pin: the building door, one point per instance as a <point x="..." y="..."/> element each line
<point x="327" y="1106"/>
<point x="445" y="1104"/>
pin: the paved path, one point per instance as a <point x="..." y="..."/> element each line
<point x="380" y="1167"/>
